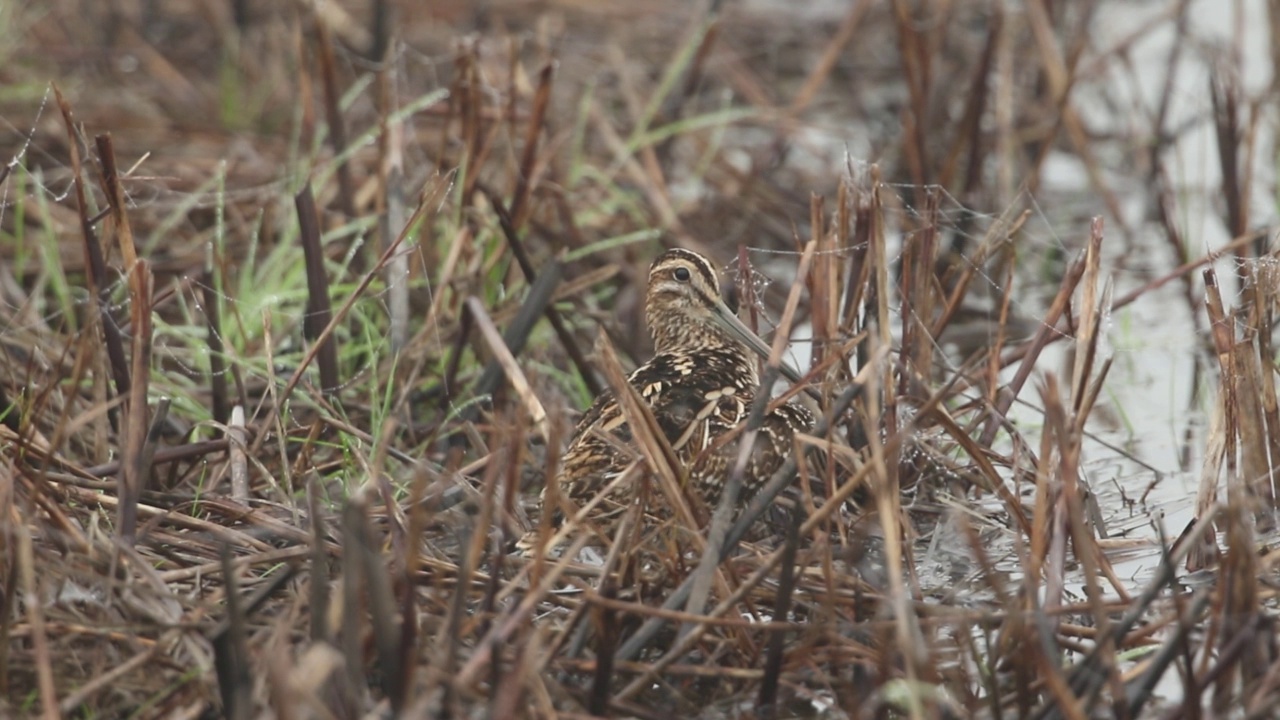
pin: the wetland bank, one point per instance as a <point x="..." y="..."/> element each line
<point x="299" y="304"/>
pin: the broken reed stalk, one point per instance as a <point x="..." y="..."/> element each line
<point x="766" y="702"/>
<point x="880" y="409"/>
<point x="1258" y="425"/>
<point x="231" y="655"/>
<point x="220" y="402"/>
<point x="238" y="461"/>
<point x="387" y="633"/>
<point x="1225" y="95"/>
<point x="361" y="288"/>
<point x="607" y="632"/>
<point x="318" y="577"/>
<point x="1266" y="285"/>
<point x="1048" y="329"/>
<point x="95" y="265"/>
<point x="541" y="293"/>
<point x="135" y="465"/>
<point x="351" y="644"/>
<point x="319" y="310"/>
<point x="1221" y="439"/>
<point x="33" y="602"/>
<point x="1239" y="607"/>
<point x="505" y="358"/>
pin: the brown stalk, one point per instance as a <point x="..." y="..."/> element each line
<point x="858" y="245"/>
<point x="380" y="43"/>
<point x="135" y="471"/>
<point x="878" y="258"/>
<point x="352" y="639"/>
<point x="969" y="131"/>
<point x="231" y="654"/>
<point x="1032" y="353"/>
<point x="506" y="359"/>
<point x="917" y="296"/>
<point x="607" y="631"/>
<point x="525" y="179"/>
<point x="333" y="116"/>
<point x="95" y="264"/>
<point x="387" y="635"/>
<point x="1262" y="317"/>
<point x="318" y="578"/>
<point x="1225" y="94"/>
<point x="821" y="283"/>
<point x="766" y="703"/>
<point x="31" y="600"/>
<point x="1239" y="604"/>
<point x="319" y="312"/>
<point x="1220" y="444"/>
<point x="1255" y="462"/>
<point x="467" y="91"/>
<point x="221" y="406"/>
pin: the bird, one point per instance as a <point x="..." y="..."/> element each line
<point x="699" y="385"/>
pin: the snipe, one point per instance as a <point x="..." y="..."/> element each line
<point x="699" y="385"/>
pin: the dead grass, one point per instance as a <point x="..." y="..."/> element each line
<point x="292" y="335"/>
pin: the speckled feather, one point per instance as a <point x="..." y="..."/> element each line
<point x="699" y="384"/>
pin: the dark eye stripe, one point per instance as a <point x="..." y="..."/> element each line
<point x="699" y="263"/>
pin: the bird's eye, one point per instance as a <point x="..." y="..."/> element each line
<point x="682" y="274"/>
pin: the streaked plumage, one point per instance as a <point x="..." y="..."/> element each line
<point x="699" y="385"/>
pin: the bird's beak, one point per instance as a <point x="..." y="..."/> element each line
<point x="728" y="320"/>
